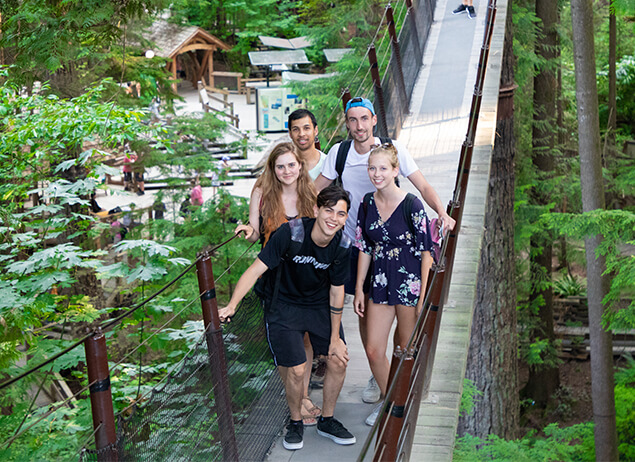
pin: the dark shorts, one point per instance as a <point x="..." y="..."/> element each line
<point x="138" y="177"/>
<point x="127" y="176"/>
<point x="286" y="325"/>
<point x="349" y="287"/>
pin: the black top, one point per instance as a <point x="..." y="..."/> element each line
<point x="308" y="275"/>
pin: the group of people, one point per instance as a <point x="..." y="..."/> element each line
<point x="332" y="225"/>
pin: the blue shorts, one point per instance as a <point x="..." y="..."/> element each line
<point x="349" y="287"/>
<point x="286" y="325"/>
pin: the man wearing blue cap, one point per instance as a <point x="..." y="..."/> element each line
<point x="360" y="121"/>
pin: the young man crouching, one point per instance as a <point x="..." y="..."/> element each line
<point x="307" y="264"/>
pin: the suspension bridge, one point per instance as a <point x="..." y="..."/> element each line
<point x="217" y="406"/>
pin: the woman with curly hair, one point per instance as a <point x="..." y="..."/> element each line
<point x="283" y="192"/>
<point x="396" y="237"/>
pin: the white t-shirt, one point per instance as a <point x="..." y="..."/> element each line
<point x="355" y="176"/>
<point x="315" y="171"/>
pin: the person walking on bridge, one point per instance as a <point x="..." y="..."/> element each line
<point x="348" y="161"/>
<point x="307" y="264"/>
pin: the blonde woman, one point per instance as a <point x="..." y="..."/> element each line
<point x="400" y="262"/>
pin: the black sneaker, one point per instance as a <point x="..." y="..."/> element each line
<point x="470" y="12"/>
<point x="332" y="428"/>
<point x="460" y="9"/>
<point x="293" y="439"/>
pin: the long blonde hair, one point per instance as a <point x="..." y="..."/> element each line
<point x="271" y="207"/>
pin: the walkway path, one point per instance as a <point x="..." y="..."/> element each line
<point x="434" y="134"/>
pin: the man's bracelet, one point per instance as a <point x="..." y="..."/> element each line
<point x="336" y="310"/>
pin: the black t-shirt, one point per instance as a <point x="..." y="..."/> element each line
<point x="306" y="277"/>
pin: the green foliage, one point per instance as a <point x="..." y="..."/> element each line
<point x="240" y="22"/>
<point x="568" y="286"/>
<point x="625" y="75"/>
<point x="189" y="140"/>
<point x="617" y="227"/>
<point x="625" y="409"/>
<point x="42" y="440"/>
<point x="59" y="144"/>
<point x="61" y="42"/>
<point x="469" y="397"/>
<point x="570" y="443"/>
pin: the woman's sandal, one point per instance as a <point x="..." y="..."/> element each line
<point x="310" y="412"/>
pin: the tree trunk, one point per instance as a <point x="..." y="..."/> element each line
<point x="610" y="152"/>
<point x="543" y="379"/>
<point x="592" y="199"/>
<point x="612" y="103"/>
<point x="492" y="363"/>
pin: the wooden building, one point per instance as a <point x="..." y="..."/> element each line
<point x="171" y="41"/>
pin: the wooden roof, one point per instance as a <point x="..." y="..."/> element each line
<point x="172" y="39"/>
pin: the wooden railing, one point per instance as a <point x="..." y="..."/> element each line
<point x="205" y="95"/>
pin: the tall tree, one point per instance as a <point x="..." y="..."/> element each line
<point x="612" y="103"/>
<point x="544" y="378"/>
<point x="492" y="364"/>
<point x="67" y="42"/>
<point x="593" y="199"/>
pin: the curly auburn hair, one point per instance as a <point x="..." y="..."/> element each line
<point x="271" y="207"/>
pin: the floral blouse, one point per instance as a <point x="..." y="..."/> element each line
<point x="396" y="253"/>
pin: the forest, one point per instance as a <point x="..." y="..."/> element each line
<point x="65" y="115"/>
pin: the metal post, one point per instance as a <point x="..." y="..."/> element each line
<point x="346" y="97"/>
<point x="391" y="425"/>
<point x="415" y="32"/>
<point x="380" y="106"/>
<point x="217" y="361"/>
<point x="101" y="397"/>
<point x="396" y="51"/>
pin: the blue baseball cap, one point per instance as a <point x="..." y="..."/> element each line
<point x="360" y="102"/>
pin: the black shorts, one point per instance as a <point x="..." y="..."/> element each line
<point x="138" y="177"/>
<point x="349" y="287"/>
<point x="286" y="325"/>
<point x="127" y="176"/>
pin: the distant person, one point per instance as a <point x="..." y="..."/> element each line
<point x="196" y="194"/>
<point x="360" y="121"/>
<point x="186" y="208"/>
<point x="394" y="238"/>
<point x="139" y="170"/>
<point x="128" y="160"/>
<point x="221" y="168"/>
<point x="118" y="231"/>
<point x="303" y="131"/>
<point x="158" y="207"/>
<point x="304" y="294"/>
<point x="466" y="7"/>
<point x="94" y="206"/>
